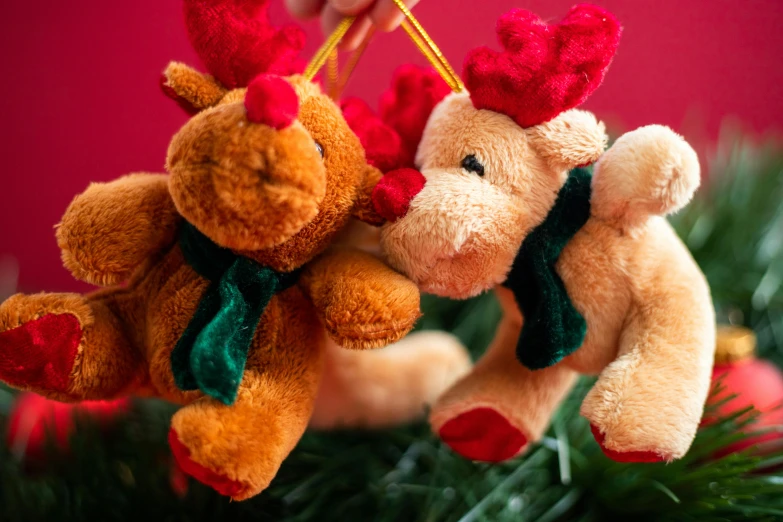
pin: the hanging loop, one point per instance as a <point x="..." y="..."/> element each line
<point x="336" y="81"/>
<point x="428" y="48"/>
<point x="328" y="47"/>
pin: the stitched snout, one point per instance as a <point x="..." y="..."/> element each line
<point x="458" y="234"/>
<point x="247" y="186"/>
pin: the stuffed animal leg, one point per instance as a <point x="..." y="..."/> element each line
<point x="495" y="411"/>
<point x="238" y="449"/>
<point x="378" y="388"/>
<point x="73" y="347"/>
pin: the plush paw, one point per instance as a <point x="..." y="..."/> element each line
<point x="648" y="171"/>
<point x="235" y="449"/>
<point x="640" y="427"/>
<point x="372" y="314"/>
<point x="38" y="353"/>
<point x="624" y="456"/>
<point x="482" y="434"/>
<point x="220" y="483"/>
<point x="380" y="388"/>
<point x="362" y="302"/>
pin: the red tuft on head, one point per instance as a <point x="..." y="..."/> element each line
<point x="543" y="69"/>
<point x="272" y="101"/>
<point x="407" y="105"/>
<point x="236" y="42"/>
<point x="382" y="145"/>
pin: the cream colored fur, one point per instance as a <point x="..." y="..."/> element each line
<point x="392" y="385"/>
<point x="652" y="172"/>
<point x="650" y="319"/>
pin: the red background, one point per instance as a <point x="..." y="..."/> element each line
<point x="80" y="99"/>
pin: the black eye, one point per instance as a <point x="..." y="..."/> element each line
<point x="472" y="164"/>
<point x="319" y="149"/>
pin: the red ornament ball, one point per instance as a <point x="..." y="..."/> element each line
<point x="755" y="382"/>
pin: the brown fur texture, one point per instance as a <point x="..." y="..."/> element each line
<point x="144" y="220"/>
<point x="340" y="281"/>
<point x="650" y="321"/>
<point x="200" y="91"/>
<point x="266" y="194"/>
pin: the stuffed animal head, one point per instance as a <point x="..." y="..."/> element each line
<point x="491" y="161"/>
<point x="267" y="166"/>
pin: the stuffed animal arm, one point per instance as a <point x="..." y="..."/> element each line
<point x="591" y="278"/>
<point x="112" y="228"/>
<point x="648" y="172"/>
<point x="649" y="400"/>
<point x="361" y="302"/>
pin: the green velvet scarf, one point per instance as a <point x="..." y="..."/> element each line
<point x="552" y="328"/>
<point x="212" y="352"/>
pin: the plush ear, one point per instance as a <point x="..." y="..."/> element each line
<point x="364" y="210"/>
<point x="193" y="90"/>
<point x="571" y="139"/>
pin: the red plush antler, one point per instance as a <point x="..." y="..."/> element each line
<point x="407" y="105"/>
<point x="543" y="69"/>
<point x="236" y="42"/>
<point x="382" y="145"/>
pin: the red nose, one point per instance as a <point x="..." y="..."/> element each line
<point x="393" y="193"/>
<point x="272" y="101"/>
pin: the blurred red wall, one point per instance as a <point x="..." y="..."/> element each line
<point x="81" y="103"/>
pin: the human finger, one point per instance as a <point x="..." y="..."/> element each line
<point x="304" y="9"/>
<point x="331" y="18"/>
<point x="386" y="16"/>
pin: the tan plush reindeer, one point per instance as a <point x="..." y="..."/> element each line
<point x="591" y="277"/>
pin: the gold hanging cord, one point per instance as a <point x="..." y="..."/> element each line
<point x="329" y="46"/>
<point x="428" y="48"/>
<point x="332" y="74"/>
<point x="353" y="61"/>
<point x="411" y="26"/>
<point x="336" y="80"/>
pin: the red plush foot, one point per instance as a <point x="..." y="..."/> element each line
<point x="482" y="434"/>
<point x="40" y="353"/>
<point x="218" y="482"/>
<point x="624" y="456"/>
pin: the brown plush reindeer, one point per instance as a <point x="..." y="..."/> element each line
<point x="591" y="277"/>
<point x="220" y="286"/>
